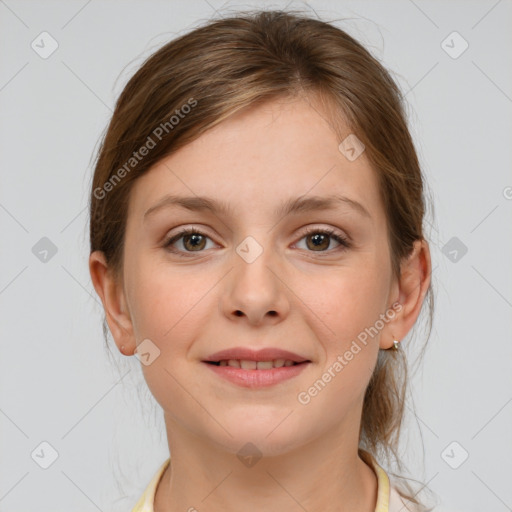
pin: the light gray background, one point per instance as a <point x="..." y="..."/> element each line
<point x="57" y="384"/>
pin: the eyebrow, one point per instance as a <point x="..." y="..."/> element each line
<point x="300" y="204"/>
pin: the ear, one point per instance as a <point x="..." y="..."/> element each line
<point x="114" y="302"/>
<point x="409" y="292"/>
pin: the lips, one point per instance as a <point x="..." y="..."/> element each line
<point x="262" y="368"/>
<point x="247" y="364"/>
<point x="243" y="354"/>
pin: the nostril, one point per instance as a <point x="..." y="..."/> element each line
<point x="238" y="313"/>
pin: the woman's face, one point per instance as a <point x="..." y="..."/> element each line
<point x="254" y="278"/>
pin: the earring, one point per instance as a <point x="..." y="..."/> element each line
<point x="395" y="344"/>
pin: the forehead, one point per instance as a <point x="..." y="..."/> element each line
<point x="259" y="158"/>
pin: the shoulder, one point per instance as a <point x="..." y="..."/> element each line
<point x="147" y="500"/>
<point x="399" y="500"/>
<point x="390" y="491"/>
<point x="399" y="504"/>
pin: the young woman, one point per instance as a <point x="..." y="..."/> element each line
<point x="256" y="239"/>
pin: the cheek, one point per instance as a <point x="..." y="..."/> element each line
<point x="164" y="303"/>
<point x="165" y="309"/>
<point x="351" y="303"/>
<point x="348" y="300"/>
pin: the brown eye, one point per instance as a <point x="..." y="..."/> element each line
<point x="194" y="242"/>
<point x="191" y="240"/>
<point x="319" y="240"/>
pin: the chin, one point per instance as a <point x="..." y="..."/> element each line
<point x="249" y="446"/>
<point x="267" y="438"/>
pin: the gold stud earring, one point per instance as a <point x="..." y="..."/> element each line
<point x="395" y="344"/>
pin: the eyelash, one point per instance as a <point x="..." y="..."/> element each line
<point x="344" y="243"/>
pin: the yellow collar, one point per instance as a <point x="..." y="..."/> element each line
<point x="146" y="501"/>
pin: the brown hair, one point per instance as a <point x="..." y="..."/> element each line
<point x="201" y="78"/>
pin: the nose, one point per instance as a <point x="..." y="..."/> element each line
<point x="256" y="292"/>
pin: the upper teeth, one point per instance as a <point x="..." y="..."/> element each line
<point x="256" y="365"/>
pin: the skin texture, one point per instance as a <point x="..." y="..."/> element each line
<point x="312" y="301"/>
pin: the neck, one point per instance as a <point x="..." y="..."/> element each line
<point x="322" y="476"/>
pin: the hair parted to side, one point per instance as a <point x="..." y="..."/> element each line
<point x="236" y="62"/>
